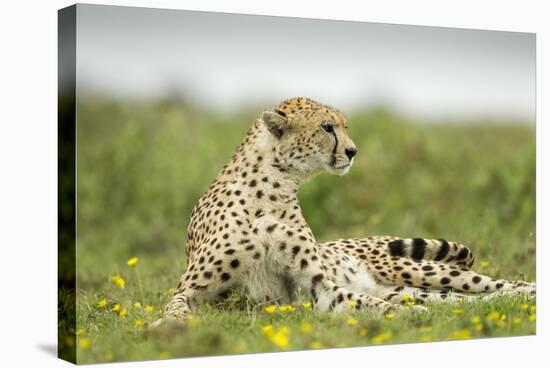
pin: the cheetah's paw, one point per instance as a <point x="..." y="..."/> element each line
<point x="167" y="326"/>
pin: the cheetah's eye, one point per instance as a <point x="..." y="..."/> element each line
<point x="327" y="127"/>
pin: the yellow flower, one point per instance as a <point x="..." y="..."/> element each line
<point x="132" y="261"/>
<point x="493" y="316"/>
<point x="363" y="331"/>
<point x="116" y="307"/>
<point x="461" y="335"/>
<point x="119" y="281"/>
<point x="405" y="297"/>
<point x="389" y="315"/>
<point x="102" y="303"/>
<point x="524" y="306"/>
<point x="80" y="331"/>
<point x="286" y="308"/>
<point x="478" y="327"/>
<point x="306" y="328"/>
<point x="425" y="338"/>
<point x="532" y="317"/>
<point x="84" y="343"/>
<point x="268" y="330"/>
<point x="137" y="305"/>
<point x="516" y="321"/>
<point x="316" y="345"/>
<point x="533" y="308"/>
<point x="503" y="317"/>
<point x="271" y="309"/>
<point x="306" y="305"/>
<point x="123" y="312"/>
<point x="280" y="338"/>
<point x="484" y="264"/>
<point x="352" y="304"/>
<point x="352" y="322"/>
<point x="457" y="311"/>
<point x="411" y="303"/>
<point x="475" y="320"/>
<point x="149" y="309"/>
<point x="138" y="322"/>
<point x="381" y="338"/>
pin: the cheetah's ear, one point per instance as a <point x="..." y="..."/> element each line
<point x="276" y="122"/>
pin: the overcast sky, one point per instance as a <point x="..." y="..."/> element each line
<point x="227" y="60"/>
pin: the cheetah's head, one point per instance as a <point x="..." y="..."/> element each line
<point x="310" y="137"/>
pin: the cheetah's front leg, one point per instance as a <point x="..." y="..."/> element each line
<point x="201" y="282"/>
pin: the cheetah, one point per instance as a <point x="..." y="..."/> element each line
<point x="247" y="232"/>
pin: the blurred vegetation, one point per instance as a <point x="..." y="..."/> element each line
<point x="66" y="250"/>
<point x="142" y="166"/>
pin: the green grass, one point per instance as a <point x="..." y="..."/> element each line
<point x="142" y="167"/>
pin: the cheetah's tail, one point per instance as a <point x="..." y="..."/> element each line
<point x="432" y="249"/>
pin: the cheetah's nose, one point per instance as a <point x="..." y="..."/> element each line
<point x="350" y="152"/>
